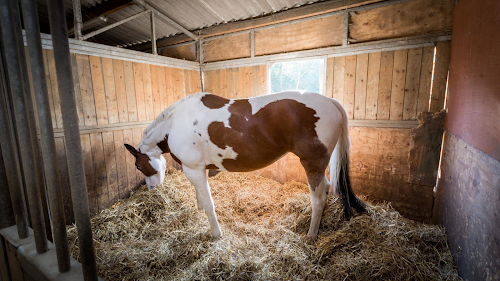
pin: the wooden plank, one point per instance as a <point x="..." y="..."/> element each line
<point x="128" y="71"/>
<point x="424" y="91"/>
<point x="121" y="164"/>
<point x="196" y="81"/>
<point x="412" y="83"/>
<point x="148" y="92"/>
<point x="248" y="82"/>
<point x="439" y="83"/>
<point x="187" y="82"/>
<point x="130" y="159"/>
<point x="64" y="180"/>
<point x="111" y="167"/>
<point x="169" y="80"/>
<point x="305" y="35"/>
<point x="182" y="83"/>
<point x="183" y="52"/>
<point x="360" y="90"/>
<point x="55" y="91"/>
<point x="163" y="88"/>
<point x="32" y="90"/>
<point x="110" y="90"/>
<point x="398" y="84"/>
<point x="98" y="87"/>
<point x="100" y="176"/>
<point x="338" y="79"/>
<point x="89" y="173"/>
<point x="263" y="80"/>
<point x="155" y="89"/>
<point x="208" y="82"/>
<point x="233" y="47"/>
<point x="372" y="85"/>
<point x="385" y="86"/>
<point x="89" y="111"/>
<point x="49" y="88"/>
<point x="176" y="84"/>
<point x="223" y="84"/>
<point x="76" y="86"/>
<point x="410" y="18"/>
<point x="255" y="81"/>
<point x="329" y="77"/>
<point x="350" y="85"/>
<point x="139" y="90"/>
<point x="136" y="136"/>
<point x="121" y="93"/>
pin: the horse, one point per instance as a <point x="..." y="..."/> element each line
<point x="205" y="131"/>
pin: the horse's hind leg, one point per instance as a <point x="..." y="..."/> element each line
<point x="318" y="186"/>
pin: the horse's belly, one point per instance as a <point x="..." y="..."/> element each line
<point x="247" y="162"/>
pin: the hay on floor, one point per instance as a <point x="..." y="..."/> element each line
<point x="160" y="235"/>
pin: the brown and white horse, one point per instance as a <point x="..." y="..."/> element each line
<point x="204" y="131"/>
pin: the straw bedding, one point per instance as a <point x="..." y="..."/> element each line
<point x="160" y="235"/>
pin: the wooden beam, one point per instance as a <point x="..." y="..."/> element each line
<point x="166" y="18"/>
<point x="289" y="15"/>
<point x="106" y="28"/>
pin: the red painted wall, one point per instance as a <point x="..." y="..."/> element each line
<point x="474" y="82"/>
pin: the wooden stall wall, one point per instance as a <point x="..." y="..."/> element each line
<point x="390" y="87"/>
<point x="116" y="100"/>
<point x="468" y="191"/>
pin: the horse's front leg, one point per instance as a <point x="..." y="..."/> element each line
<point x="199" y="179"/>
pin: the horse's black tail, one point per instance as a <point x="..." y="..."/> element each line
<point x="339" y="169"/>
<point x="345" y="191"/>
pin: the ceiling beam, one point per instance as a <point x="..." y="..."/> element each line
<point x="166" y="19"/>
<point x="279" y="17"/>
<point x="91" y="15"/>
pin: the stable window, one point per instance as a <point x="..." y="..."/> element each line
<point x="302" y="75"/>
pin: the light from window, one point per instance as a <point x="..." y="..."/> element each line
<point x="303" y="75"/>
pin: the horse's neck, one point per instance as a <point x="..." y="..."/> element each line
<point x="153" y="136"/>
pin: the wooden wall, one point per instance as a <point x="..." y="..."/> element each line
<point x="116" y="100"/>
<point x="394" y="86"/>
<point x="468" y="191"/>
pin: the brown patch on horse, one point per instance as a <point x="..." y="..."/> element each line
<point x="141" y="161"/>
<point x="213" y="101"/>
<point x="163" y="145"/>
<point x="281" y="126"/>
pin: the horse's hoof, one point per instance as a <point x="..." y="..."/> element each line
<point x="216" y="237"/>
<point x="312" y="237"/>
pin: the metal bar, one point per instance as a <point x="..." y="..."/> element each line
<point x="252" y="43"/>
<point x="167" y="19"/>
<point x="12" y="166"/>
<point x="32" y="124"/>
<point x="78" y="23"/>
<point x="153" y="35"/>
<point x="106" y="28"/>
<point x="72" y="137"/>
<point x="345" y="35"/>
<point x="26" y="140"/>
<point x="46" y="132"/>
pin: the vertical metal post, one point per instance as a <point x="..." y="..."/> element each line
<point x="31" y="116"/>
<point x="46" y="132"/>
<point x="78" y="23"/>
<point x="72" y="137"/>
<point x="252" y="44"/>
<point x="153" y="34"/>
<point x="346" y="29"/>
<point x="11" y="164"/>
<point x="26" y="140"/>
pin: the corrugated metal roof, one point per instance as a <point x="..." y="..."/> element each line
<point x="191" y="14"/>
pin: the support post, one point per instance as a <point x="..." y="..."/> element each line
<point x="46" y="133"/>
<point x="26" y="139"/>
<point x="78" y="23"/>
<point x="153" y="35"/>
<point x="346" y="29"/>
<point x="72" y="137"/>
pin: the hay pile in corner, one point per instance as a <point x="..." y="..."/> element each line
<point x="160" y="235"/>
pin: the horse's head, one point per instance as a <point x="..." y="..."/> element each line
<point x="153" y="167"/>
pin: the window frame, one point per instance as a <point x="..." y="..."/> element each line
<point x="322" y="73"/>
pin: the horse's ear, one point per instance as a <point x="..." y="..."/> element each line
<point x="132" y="150"/>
